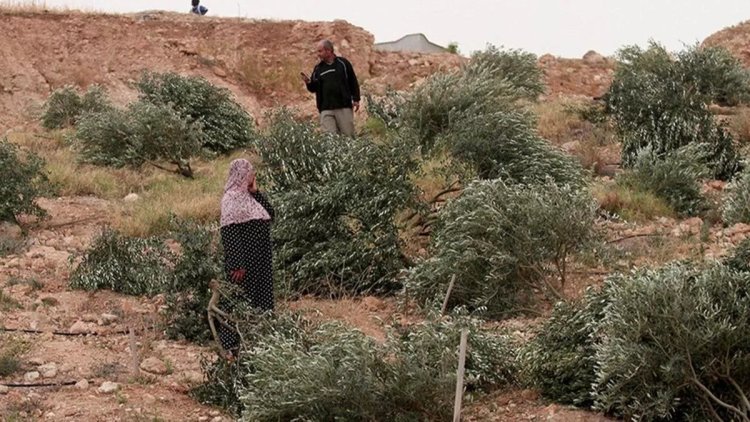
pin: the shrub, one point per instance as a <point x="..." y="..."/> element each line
<point x="24" y="179"/>
<point x="126" y="265"/>
<point x="144" y="134"/>
<point x="674" y="343"/>
<point x="338" y="200"/>
<point x="293" y="369"/>
<point x="739" y="258"/>
<point x="560" y="360"/>
<point x="662" y="104"/>
<point x="502" y="241"/>
<point x="226" y="125"/>
<point x="64" y="107"/>
<point x="200" y="261"/>
<point x="736" y="206"/>
<point x="515" y="67"/>
<point x="675" y="177"/>
<point x="477" y="118"/>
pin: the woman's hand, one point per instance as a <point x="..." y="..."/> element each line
<point x="238" y="275"/>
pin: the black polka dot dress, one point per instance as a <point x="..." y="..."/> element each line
<point x="248" y="246"/>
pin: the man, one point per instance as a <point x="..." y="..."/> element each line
<point x="197" y="8"/>
<point x="336" y="90"/>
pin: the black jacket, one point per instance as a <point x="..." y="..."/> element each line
<point x="344" y="75"/>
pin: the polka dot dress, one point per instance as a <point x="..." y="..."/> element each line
<point x="248" y="245"/>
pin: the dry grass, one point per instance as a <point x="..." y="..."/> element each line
<point x="264" y="77"/>
<point x="629" y="204"/>
<point x="740" y="125"/>
<point x="73" y="179"/>
<point x="590" y="144"/>
<point x="196" y="199"/>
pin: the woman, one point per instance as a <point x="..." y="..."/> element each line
<point x="246" y="217"/>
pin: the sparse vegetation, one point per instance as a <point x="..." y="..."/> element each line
<point x="736" y="207"/>
<point x="24" y="179"/>
<point x="225" y="125"/>
<point x="661" y="103"/>
<point x="296" y="369"/>
<point x="64" y="107"/>
<point x="502" y="242"/>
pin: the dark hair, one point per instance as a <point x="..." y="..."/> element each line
<point x="196" y="2"/>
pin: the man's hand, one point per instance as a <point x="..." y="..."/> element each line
<point x="305" y="78"/>
<point x="238" y="275"/>
<point x="355" y="105"/>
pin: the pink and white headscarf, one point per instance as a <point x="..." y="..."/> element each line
<point x="237" y="204"/>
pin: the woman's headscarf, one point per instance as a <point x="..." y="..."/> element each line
<point x="237" y="204"/>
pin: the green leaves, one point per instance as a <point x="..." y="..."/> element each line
<point x="661" y="103"/>
<point x="501" y="240"/>
<point x="225" y="125"/>
<point x="24" y="179"/>
<point x="64" y="108"/>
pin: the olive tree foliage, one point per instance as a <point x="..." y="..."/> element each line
<point x="144" y="133"/>
<point x="23" y="181"/>
<point x="502" y="241"/>
<point x="65" y="106"/>
<point x="338" y="199"/>
<point x="660" y="101"/>
<point x="225" y="125"/>
<point x="476" y="116"/>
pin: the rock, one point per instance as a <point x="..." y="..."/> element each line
<point x="717" y="185"/>
<point x="4" y="390"/>
<point x="82" y="385"/>
<point x="217" y="419"/>
<point x="203" y="418"/>
<point x="48" y="370"/>
<point x="36" y="361"/>
<point x="192" y="377"/>
<point x="50" y="415"/>
<point x="108" y="387"/>
<point x="89" y="318"/>
<point x="10" y="231"/>
<point x="81" y="327"/>
<point x="109" y="318"/>
<point x="31" y="376"/>
<point x="154" y="366"/>
<point x="592" y="57"/>
<point x="132" y="197"/>
<point x="220" y="72"/>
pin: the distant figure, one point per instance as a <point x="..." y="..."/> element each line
<point x="336" y="90"/>
<point x="198" y="9"/>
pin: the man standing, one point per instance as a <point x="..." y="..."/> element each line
<point x="336" y="90"/>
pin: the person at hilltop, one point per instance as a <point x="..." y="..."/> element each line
<point x="246" y="217"/>
<point x="336" y="90"/>
<point x="197" y="8"/>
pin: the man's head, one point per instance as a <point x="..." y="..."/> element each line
<point x="325" y="50"/>
<point x="196" y="2"/>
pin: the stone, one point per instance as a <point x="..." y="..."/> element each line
<point x="81" y="327"/>
<point x="109" y="318"/>
<point x="217" y="419"/>
<point x="4" y="390"/>
<point x="108" y="387"/>
<point x="592" y="57"/>
<point x="132" y="197"/>
<point x="48" y="370"/>
<point x="192" y="377"/>
<point x="89" y="318"/>
<point x="31" y="376"/>
<point x="82" y="385"/>
<point x="220" y="72"/>
<point x="10" y="231"/>
<point x="36" y="361"/>
<point x="154" y="366"/>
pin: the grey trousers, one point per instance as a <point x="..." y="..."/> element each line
<point x="339" y="121"/>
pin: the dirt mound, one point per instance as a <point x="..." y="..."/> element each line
<point x="590" y="76"/>
<point x="258" y="60"/>
<point x="735" y="38"/>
